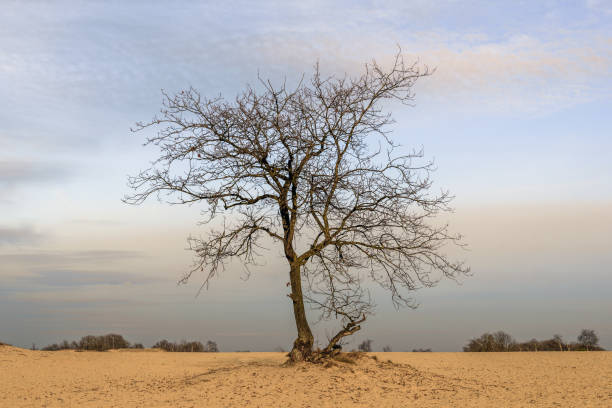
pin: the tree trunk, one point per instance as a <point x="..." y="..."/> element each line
<point x="302" y="346"/>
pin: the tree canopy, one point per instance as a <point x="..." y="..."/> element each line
<point x="312" y="169"/>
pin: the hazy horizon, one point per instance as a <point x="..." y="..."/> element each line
<point x="516" y="117"/>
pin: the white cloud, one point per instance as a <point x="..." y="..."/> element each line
<point x="24" y="235"/>
<point x="517" y="75"/>
<point x="600" y="6"/>
<point x="116" y="58"/>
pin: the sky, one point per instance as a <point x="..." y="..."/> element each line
<point x="516" y="118"/>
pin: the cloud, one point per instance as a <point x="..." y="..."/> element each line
<point x="19" y="236"/>
<point x="99" y="275"/>
<point x="61" y="259"/>
<point x="529" y="58"/>
<point x="69" y="278"/>
<point x="600" y="6"/>
<point x="520" y="73"/>
<point x="15" y="173"/>
<point x="535" y="245"/>
<point x="96" y="222"/>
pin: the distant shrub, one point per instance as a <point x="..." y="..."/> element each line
<point x="501" y="341"/>
<point x="103" y="343"/>
<point x="211" y="347"/>
<point x="187" y="346"/>
<point x="64" y="345"/>
<point x="588" y="339"/>
<point x="91" y="343"/>
<point x="191" y="347"/>
<point x="558" y="340"/>
<point x="164" y="345"/>
<point x="421" y="350"/>
<point x="116" y="341"/>
<point x="365" y="346"/>
<point x="387" y="349"/>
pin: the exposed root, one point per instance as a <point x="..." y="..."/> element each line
<point x="331" y="359"/>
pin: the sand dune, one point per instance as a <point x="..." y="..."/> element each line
<point x="159" y="379"/>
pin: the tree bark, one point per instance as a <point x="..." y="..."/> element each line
<point x="302" y="346"/>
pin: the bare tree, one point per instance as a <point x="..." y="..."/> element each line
<point x="295" y="167"/>
<point x="503" y="341"/>
<point x="211" y="347"/>
<point x="387" y="349"/>
<point x="186" y="346"/>
<point x="498" y="341"/>
<point x="588" y="338"/>
<point x="558" y="339"/>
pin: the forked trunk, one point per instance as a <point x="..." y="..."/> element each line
<point x="302" y="346"/>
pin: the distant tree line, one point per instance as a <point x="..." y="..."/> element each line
<point x="187" y="346"/>
<point x="94" y="343"/>
<point x="116" y="341"/>
<point x="366" y="346"/>
<point x="502" y="341"/>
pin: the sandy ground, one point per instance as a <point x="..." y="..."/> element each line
<point x="158" y="379"/>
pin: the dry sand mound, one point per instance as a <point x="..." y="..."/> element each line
<point x="365" y="382"/>
<point x="8" y="350"/>
<point x="160" y="379"/>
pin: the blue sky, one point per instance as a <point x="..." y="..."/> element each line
<point x="516" y="116"/>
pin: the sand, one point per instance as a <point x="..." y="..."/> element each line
<point x="152" y="378"/>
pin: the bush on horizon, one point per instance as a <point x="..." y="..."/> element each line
<point x="187" y="346"/>
<point x="503" y="342"/>
<point x="365" y="346"/>
<point x="93" y="343"/>
<point x="116" y="341"/>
